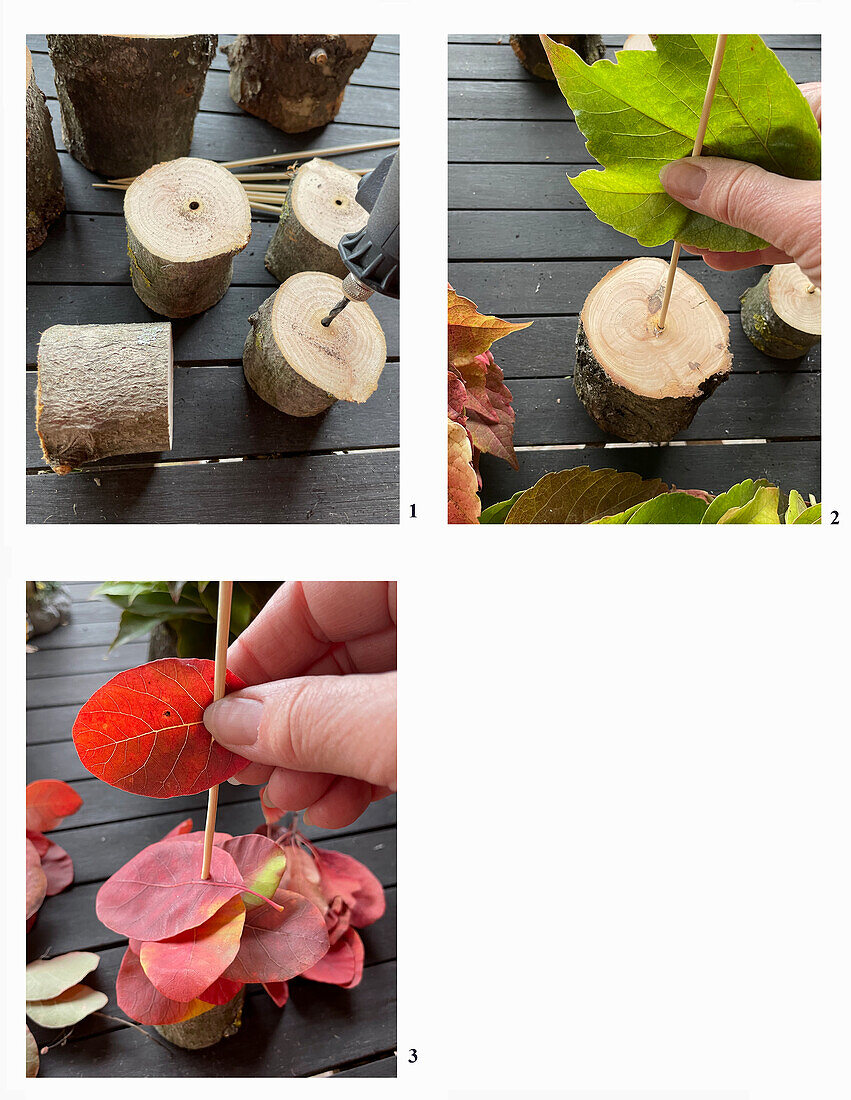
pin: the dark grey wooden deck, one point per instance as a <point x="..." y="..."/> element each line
<point x="523" y="245"/>
<point x="321" y="1030"/>
<point x="235" y="458"/>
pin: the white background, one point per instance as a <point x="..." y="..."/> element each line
<point x="624" y="801"/>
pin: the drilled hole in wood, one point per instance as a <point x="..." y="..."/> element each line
<point x="194" y="205"/>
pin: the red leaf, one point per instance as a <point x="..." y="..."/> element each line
<point x="58" y="869"/>
<point x="141" y="1000"/>
<point x="36" y="880"/>
<point x="490" y="417"/>
<point x="343" y="876"/>
<point x="48" y="801"/>
<point x="343" y="965"/>
<point x="40" y="842"/>
<point x="144" y="732"/>
<point x="220" y="992"/>
<point x="278" y="991"/>
<point x="160" y="892"/>
<point x="180" y="830"/>
<point x="277" y="946"/>
<point x="183" y="966"/>
<point x="457" y="398"/>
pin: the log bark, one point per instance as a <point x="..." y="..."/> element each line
<point x="294" y="81"/>
<point x="186" y="220"/>
<point x="47" y="608"/>
<point x="162" y="642"/>
<point x="129" y="101"/>
<point x="635" y="381"/>
<point x="298" y="366"/>
<point x="219" y="1022"/>
<point x="319" y="209"/>
<point x="103" y="390"/>
<point x="45" y="193"/>
<point x="532" y="55"/>
<point x="781" y="315"/>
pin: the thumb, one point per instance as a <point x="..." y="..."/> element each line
<point x="784" y="212"/>
<point x="340" y="725"/>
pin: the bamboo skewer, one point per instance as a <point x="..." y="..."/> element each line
<point x="714" y="73"/>
<point x="338" y="150"/>
<point x="222" y="636"/>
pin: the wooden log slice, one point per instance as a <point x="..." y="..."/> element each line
<point x="186" y="220"/>
<point x="298" y="366"/>
<point x="319" y="209"/>
<point x="781" y="315"/>
<point x="294" y="81"/>
<point x="635" y="381"/>
<point x="45" y="193"/>
<point x="129" y="101"/>
<point x="217" y="1023"/>
<point x="103" y="390"/>
<point x="638" y="42"/>
<point x="532" y="56"/>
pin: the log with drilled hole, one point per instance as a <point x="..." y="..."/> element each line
<point x="129" y="101"/>
<point x="319" y="209"/>
<point x="186" y="220"/>
<point x="294" y="81"/>
<point x="298" y="366"/>
<point x="781" y="315"/>
<point x="103" y="390"/>
<point x="45" y="193"/>
<point x="635" y="381"/>
<point x="532" y="56"/>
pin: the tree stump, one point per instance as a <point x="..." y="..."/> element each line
<point x="162" y="642"/>
<point x="186" y="220"/>
<point x="103" y="390"/>
<point x="319" y="209"/>
<point x="781" y="315"/>
<point x="48" y="606"/>
<point x="217" y="1023"/>
<point x="294" y="81"/>
<point x="45" y="193"/>
<point x="532" y="56"/>
<point x="129" y="101"/>
<point x="298" y="366"/>
<point x="635" y="381"/>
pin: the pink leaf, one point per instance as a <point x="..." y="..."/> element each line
<point x="277" y="946"/>
<point x="141" y="1000"/>
<point x="181" y="829"/>
<point x="220" y="992"/>
<point x="144" y="731"/>
<point x="58" y="869"/>
<point x="36" y="880"/>
<point x="183" y="966"/>
<point x="40" y="842"/>
<point x="160" y="892"/>
<point x="490" y="417"/>
<point x="464" y="505"/>
<point x="278" y="991"/>
<point x="48" y="801"/>
<point x="344" y="876"/>
<point x="260" y="862"/>
<point x="343" y="965"/>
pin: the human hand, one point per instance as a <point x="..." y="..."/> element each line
<point x="785" y="212"/>
<point x="319" y="719"/>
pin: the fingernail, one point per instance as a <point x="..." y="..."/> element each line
<point x="234" y="781"/>
<point x="683" y="179"/>
<point x="305" y="817"/>
<point x="234" y="721"/>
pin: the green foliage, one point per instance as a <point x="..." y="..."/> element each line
<point x="188" y="607"/>
<point x="642" y="113"/>
<point x="497" y="512"/>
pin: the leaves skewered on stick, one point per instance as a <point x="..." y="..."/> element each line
<point x="222" y="636"/>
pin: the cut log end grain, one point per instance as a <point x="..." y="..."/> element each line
<point x="637" y="382"/>
<point x="320" y="208"/>
<point x="781" y="315"/>
<point x="531" y="54"/>
<point x="302" y="368"/>
<point x="103" y="390"/>
<point x="217" y="1023"/>
<point x="45" y="193"/>
<point x="638" y="42"/>
<point x="186" y="220"/>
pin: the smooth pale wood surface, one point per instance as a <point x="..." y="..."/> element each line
<point x="322" y="197"/>
<point x="794" y="298"/>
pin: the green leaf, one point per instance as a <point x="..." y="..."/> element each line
<point x="68" y="1008"/>
<point x="48" y="978"/>
<point x="763" y="508"/>
<point x="670" y="508"/>
<point x="582" y="495"/>
<point x="795" y="507"/>
<point x="642" y="113"/>
<point x="621" y="517"/>
<point x="497" y="512"/>
<point x="736" y="497"/>
<point x="174" y="589"/>
<point x="241" y="611"/>
<point x="809" y="515"/>
<point x="195" y="639"/>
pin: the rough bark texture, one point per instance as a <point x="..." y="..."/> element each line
<point x="629" y="415"/>
<point x="103" y="390"/>
<point x="294" y="81"/>
<point x="220" y="1022"/>
<point x="129" y="101"/>
<point x="47" y="608"/>
<point x="272" y="377"/>
<point x="532" y="56"/>
<point x="45" y="193"/>
<point x="162" y="642"/>
<point x="768" y="332"/>
<point x="319" y="209"/>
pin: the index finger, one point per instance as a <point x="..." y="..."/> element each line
<point x="321" y="627"/>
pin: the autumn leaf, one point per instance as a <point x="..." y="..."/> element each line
<point x="345" y="877"/>
<point x="271" y="814"/>
<point x="260" y="862"/>
<point x="143" y="731"/>
<point x="220" y="991"/>
<point x="582" y="495"/>
<point x="36" y="885"/>
<point x="464" y="503"/>
<point x="32" y="1055"/>
<point x="642" y="113"/>
<point x="278" y="946"/>
<point x="48" y="802"/>
<point x="68" y="1008"/>
<point x="490" y="417"/>
<point x="343" y="965"/>
<point x="48" y="978"/>
<point x="141" y="1000"/>
<point x="278" y="991"/>
<point x="471" y="333"/>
